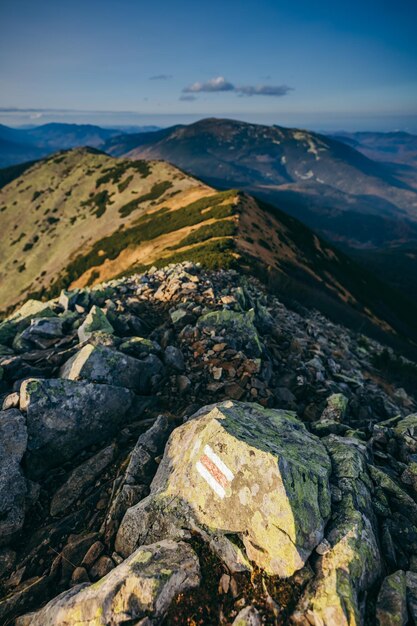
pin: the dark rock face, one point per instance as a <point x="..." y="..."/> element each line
<point x="310" y="444"/>
<point x="13" y="486"/>
<point x="64" y="417"/>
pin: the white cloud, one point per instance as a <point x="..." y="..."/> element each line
<point x="214" y="84"/>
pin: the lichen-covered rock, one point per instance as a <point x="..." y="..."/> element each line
<point x="411" y="583"/>
<point x="143" y="585"/>
<point x="96" y="320"/>
<point x="353" y="564"/>
<point x="240" y="469"/>
<point x="335" y="408"/>
<point x="239" y="327"/>
<point x="99" y="364"/>
<point x="64" y="417"/>
<point x="406" y="435"/>
<point x="13" y="486"/>
<point x="391" y="607"/>
<point x="139" y="347"/>
<point x="21" y="318"/>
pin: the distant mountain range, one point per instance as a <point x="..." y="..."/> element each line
<point x="80" y="217"/>
<point x="357" y="190"/>
<point x="398" y="150"/>
<point x="362" y="205"/>
<point x="26" y="144"/>
<point x="329" y="185"/>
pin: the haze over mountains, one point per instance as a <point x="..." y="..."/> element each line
<point x="26" y="144"/>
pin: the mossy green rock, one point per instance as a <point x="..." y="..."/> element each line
<point x="406" y="435"/>
<point x="138" y="346"/>
<point x="240" y="469"/>
<point x="96" y="320"/>
<point x="391" y="607"/>
<point x="143" y="585"/>
<point x="353" y="563"/>
<point x="21" y="318"/>
<point x="239" y="327"/>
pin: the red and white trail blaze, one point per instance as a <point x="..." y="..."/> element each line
<point x="214" y="471"/>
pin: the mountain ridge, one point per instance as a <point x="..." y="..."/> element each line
<point x="95" y="218"/>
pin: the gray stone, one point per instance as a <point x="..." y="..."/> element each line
<point x="256" y="472"/>
<point x="80" y="478"/>
<point x="239" y="327"/>
<point x="64" y="417"/>
<point x="143" y="585"/>
<point x="174" y="358"/>
<point x="138" y="475"/>
<point x="96" y="320"/>
<point x="42" y="332"/>
<point x="99" y="364"/>
<point x="248" y="616"/>
<point x="391" y="609"/>
<point x="13" y="486"/>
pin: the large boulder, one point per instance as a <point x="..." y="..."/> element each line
<point x="103" y="365"/>
<point x="144" y="585"/>
<point x="239" y="469"/>
<point x="351" y="562"/>
<point x="13" y="487"/>
<point x="64" y="417"/>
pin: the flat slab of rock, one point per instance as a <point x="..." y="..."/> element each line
<point x="103" y="365"/>
<point x="238" y="468"/>
<point x="80" y="478"/>
<point x="64" y="417"/>
<point x="13" y="486"/>
<point x="143" y="585"/>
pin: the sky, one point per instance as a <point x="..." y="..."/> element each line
<point x="324" y="65"/>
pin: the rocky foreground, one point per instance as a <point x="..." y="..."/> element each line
<point x="179" y="447"/>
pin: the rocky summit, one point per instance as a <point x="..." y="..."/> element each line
<point x="178" y="447"/>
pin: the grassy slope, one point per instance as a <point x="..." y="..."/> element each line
<point x="81" y="217"/>
<point x="61" y="206"/>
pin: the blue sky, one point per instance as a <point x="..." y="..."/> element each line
<point x="324" y="65"/>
